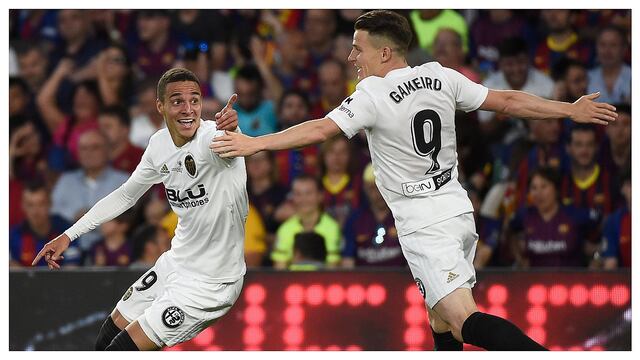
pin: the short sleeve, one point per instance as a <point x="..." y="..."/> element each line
<point x="355" y="113"/>
<point x="469" y="95"/>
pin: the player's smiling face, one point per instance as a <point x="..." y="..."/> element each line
<point x="181" y="109"/>
<point x="364" y="55"/>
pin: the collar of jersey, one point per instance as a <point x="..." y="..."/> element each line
<point x="586" y="183"/>
<point x="398" y="72"/>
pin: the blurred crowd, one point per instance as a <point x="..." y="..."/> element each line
<point x="82" y="106"/>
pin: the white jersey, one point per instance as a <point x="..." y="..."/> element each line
<point x="409" y="120"/>
<point x="207" y="193"/>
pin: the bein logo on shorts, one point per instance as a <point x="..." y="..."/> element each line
<point x="172" y="317"/>
<point x="421" y="287"/>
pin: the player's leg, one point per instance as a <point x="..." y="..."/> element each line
<point x="442" y="337"/>
<point x="458" y="308"/>
<point x="113" y="324"/>
<point x="133" y="338"/>
<point x="480" y="329"/>
<point x="135" y="300"/>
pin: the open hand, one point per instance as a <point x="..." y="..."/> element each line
<point x="232" y="144"/>
<point x="227" y="118"/>
<point x="586" y="110"/>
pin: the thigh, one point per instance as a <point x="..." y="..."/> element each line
<point x="438" y="258"/>
<point x="186" y="308"/>
<point x="141" y="294"/>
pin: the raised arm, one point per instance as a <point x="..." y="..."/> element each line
<point x="307" y="133"/>
<point x="523" y="105"/>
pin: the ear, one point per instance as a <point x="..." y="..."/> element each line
<point x="160" y="107"/>
<point x="386" y="54"/>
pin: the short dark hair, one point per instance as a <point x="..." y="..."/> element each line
<point x="294" y="92"/>
<point x="560" y="69"/>
<point x="310" y="245"/>
<point x="19" y="82"/>
<point x="174" y="75"/>
<point x="388" y="24"/>
<point x="306" y="177"/>
<point x="250" y="73"/>
<point x="548" y="173"/>
<point x="119" y="112"/>
<point x="512" y="46"/>
<point x="35" y="185"/>
<point x="581" y="128"/>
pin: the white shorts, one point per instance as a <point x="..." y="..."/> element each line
<point x="172" y="307"/>
<point x="440" y="256"/>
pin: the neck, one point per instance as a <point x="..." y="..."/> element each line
<point x="380" y="211"/>
<point x="94" y="173"/>
<point x="398" y="63"/>
<point x="158" y="43"/>
<point x="309" y="220"/>
<point x="611" y="70"/>
<point x="114" y="241"/>
<point x="550" y="211"/>
<point x="582" y="172"/>
<point x="118" y="148"/>
<point x="260" y="184"/>
<point x="41" y="229"/>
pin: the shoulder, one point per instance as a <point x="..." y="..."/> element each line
<point x="59" y="223"/>
<point x="158" y="137"/>
<point x="327" y="221"/>
<point x="117" y="174"/>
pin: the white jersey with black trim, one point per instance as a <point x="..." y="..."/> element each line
<point x="409" y="119"/>
<point x="207" y="193"/>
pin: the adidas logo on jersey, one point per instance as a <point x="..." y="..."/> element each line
<point x="164" y="170"/>
<point x="451" y="277"/>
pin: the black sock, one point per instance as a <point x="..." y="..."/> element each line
<point x="108" y="331"/>
<point x="494" y="333"/>
<point x="122" y="342"/>
<point x="445" y="342"/>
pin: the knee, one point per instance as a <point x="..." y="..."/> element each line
<point x="456" y="320"/>
<point x="437" y="324"/>
<point x="107" y="332"/>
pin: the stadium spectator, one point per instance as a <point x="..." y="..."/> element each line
<point x="309" y="252"/>
<point x="515" y="73"/>
<point x="546" y="150"/>
<point x="256" y="116"/>
<point x="20" y="109"/>
<point x="26" y="154"/>
<point x="114" y="76"/>
<point x="616" y="147"/>
<point x="114" y="122"/>
<point x="268" y="197"/>
<point x="255" y="242"/>
<point x="548" y="234"/>
<point x="157" y="48"/>
<point x="341" y="185"/>
<point x="616" y="231"/>
<point x="66" y="128"/>
<point x="292" y="64"/>
<point x="561" y="41"/>
<point x="35" y="24"/>
<point x="427" y="22"/>
<point x="488" y="32"/>
<point x="332" y="81"/>
<point x="114" y="249"/>
<point x="449" y="52"/>
<point x="27" y="238"/>
<point x="586" y="184"/>
<point x="307" y="198"/>
<point x="33" y="63"/>
<point x="572" y="80"/>
<point x="78" y="190"/>
<point x="319" y="30"/>
<point x="613" y="77"/>
<point x="370" y="234"/>
<point x="146" y="119"/>
<point x="293" y="109"/>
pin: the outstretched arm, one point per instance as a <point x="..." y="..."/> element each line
<point x="104" y="210"/>
<point x="527" y="106"/>
<point x="307" y="133"/>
